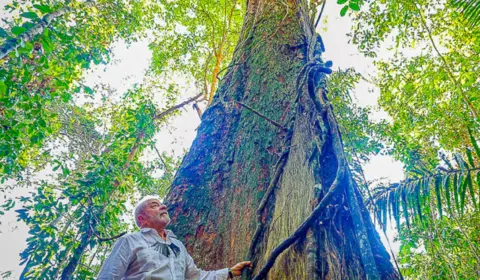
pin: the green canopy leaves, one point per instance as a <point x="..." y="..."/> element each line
<point x="44" y="72"/>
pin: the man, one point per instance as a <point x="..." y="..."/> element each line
<point x="155" y="253"/>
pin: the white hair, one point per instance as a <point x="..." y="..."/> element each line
<point x="140" y="205"/>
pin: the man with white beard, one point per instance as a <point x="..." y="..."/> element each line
<point x="155" y="253"/>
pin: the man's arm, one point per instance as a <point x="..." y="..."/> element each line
<point x="117" y="262"/>
<point x="192" y="272"/>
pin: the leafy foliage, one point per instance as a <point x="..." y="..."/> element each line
<point x="361" y="136"/>
<point x="92" y="195"/>
<point x="431" y="97"/>
<point x="470" y="9"/>
<point x="429" y="88"/>
<point x="46" y="72"/>
<point x="197" y="40"/>
<point x="101" y="171"/>
<point x="446" y="250"/>
<point x="434" y="88"/>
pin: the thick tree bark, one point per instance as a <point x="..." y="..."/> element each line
<point x="238" y="152"/>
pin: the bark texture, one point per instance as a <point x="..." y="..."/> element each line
<point x="233" y="160"/>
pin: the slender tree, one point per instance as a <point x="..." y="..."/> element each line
<point x="267" y="169"/>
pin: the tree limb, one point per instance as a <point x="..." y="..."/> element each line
<point x="176" y="107"/>
<point x="447" y="66"/>
<point x="109" y="238"/>
<point x="320" y="15"/>
<point x="37" y="29"/>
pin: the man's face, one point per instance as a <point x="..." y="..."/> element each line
<point x="154" y="214"/>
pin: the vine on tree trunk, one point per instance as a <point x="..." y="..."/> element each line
<point x="308" y="72"/>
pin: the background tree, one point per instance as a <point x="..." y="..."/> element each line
<point x="430" y="90"/>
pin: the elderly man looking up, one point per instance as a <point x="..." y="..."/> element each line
<point x="155" y="253"/>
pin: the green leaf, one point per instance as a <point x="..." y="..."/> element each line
<point x="66" y="97"/>
<point x="88" y="90"/>
<point x="470" y="158"/>
<point x="418" y="194"/>
<point x="390" y="203"/>
<point x="29" y="15"/>
<point x="455" y="190"/>
<point x="472" y="192"/>
<point x="446" y="187"/>
<point x="341" y="2"/>
<point x="354" y="6"/>
<point x="17" y="30"/>
<point x="426" y="186"/>
<point x="470" y="9"/>
<point x="478" y="179"/>
<point x="3" y="87"/>
<point x="461" y="163"/>
<point x="384" y="215"/>
<point x="3" y="33"/>
<point x="65" y="171"/>
<point x="474" y="142"/>
<point x="463" y="191"/>
<point x="42" y="123"/>
<point x="43" y="8"/>
<point x="344" y="10"/>
<point x="46" y="42"/>
<point x="405" y="208"/>
<point x="438" y="195"/>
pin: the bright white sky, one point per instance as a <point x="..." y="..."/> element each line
<point x="133" y="61"/>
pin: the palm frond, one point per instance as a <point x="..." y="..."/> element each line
<point x="470" y="10"/>
<point x="435" y="194"/>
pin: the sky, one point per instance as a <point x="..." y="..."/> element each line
<point x="131" y="62"/>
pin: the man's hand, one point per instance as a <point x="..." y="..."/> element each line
<point x="237" y="269"/>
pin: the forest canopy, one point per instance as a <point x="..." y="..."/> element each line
<point x="74" y="157"/>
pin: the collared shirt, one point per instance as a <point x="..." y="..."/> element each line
<point x="137" y="256"/>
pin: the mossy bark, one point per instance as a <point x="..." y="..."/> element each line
<point x="221" y="181"/>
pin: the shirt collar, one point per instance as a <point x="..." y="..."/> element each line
<point x="170" y="234"/>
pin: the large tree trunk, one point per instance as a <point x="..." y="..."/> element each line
<point x="240" y="147"/>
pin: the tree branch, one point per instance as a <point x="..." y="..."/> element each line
<point x="320" y="15"/>
<point x="109" y="238"/>
<point x="37" y="29"/>
<point x="176" y="107"/>
<point x="198" y="109"/>
<point x="161" y="159"/>
<point x="447" y="66"/>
